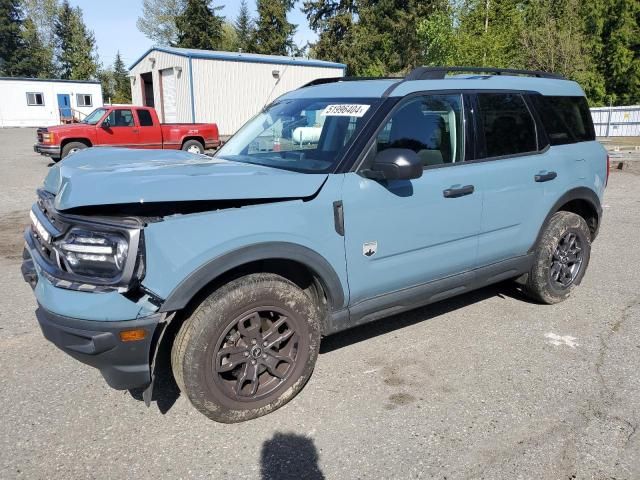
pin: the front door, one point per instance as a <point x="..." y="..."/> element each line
<point x="64" y="106"/>
<point x="410" y="233"/>
<point x="169" y="99"/>
<point x="118" y="129"/>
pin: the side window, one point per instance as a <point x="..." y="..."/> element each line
<point x="84" y="100"/>
<point x="35" y="99"/>
<point x="509" y="128"/>
<point x="144" y="118"/>
<point x="565" y="119"/>
<point x="430" y="125"/>
<point x="121" y="118"/>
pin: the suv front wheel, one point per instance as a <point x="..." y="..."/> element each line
<point x="561" y="258"/>
<point x="248" y="348"/>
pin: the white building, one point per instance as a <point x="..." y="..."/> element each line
<point x="33" y="102"/>
<point x="227" y="88"/>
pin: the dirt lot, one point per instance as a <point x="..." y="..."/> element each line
<point x="483" y="386"/>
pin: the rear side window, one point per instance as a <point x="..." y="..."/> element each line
<point x="145" y="118"/>
<point x="565" y="119"/>
<point x="509" y="128"/>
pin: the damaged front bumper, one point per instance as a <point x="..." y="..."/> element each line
<point x="99" y="342"/>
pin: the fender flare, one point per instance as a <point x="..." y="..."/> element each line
<point x="580" y="193"/>
<point x="182" y="294"/>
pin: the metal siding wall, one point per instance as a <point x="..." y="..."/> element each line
<point x="164" y="60"/>
<point x="622" y="121"/>
<point x="230" y="93"/>
<point x="14" y="111"/>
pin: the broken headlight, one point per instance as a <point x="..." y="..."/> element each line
<point x="94" y="254"/>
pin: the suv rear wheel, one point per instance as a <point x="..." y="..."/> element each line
<point x="248" y="348"/>
<point x="561" y="258"/>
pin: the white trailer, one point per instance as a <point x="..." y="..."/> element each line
<point x="228" y="88"/>
<point x="31" y="102"/>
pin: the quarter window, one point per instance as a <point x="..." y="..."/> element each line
<point x="565" y="119"/>
<point x="429" y="125"/>
<point x="144" y="117"/>
<point x="509" y="128"/>
<point x="84" y="100"/>
<point x="120" y="118"/>
<point x="35" y="99"/>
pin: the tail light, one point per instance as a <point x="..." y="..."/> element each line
<point x="608" y="170"/>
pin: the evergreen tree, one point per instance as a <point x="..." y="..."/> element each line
<point x="11" y="43"/>
<point x="158" y="20"/>
<point x="75" y="45"/>
<point x="244" y="28"/>
<point x="199" y="26"/>
<point x="274" y="33"/>
<point x="122" y="85"/>
<point x="36" y="59"/>
<point x="334" y="22"/>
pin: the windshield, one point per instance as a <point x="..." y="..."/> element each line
<point x="95" y="116"/>
<point x="305" y="135"/>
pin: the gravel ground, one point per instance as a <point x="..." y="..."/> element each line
<point x="486" y="385"/>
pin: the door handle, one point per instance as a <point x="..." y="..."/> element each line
<point x="458" y="192"/>
<point x="545" y="177"/>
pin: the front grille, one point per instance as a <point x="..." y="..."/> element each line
<point x="39" y="134"/>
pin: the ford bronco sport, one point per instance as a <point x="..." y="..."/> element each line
<point x="342" y="202"/>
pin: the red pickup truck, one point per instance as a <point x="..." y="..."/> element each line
<point x="127" y="126"/>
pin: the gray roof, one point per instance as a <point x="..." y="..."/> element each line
<point x="240" y="57"/>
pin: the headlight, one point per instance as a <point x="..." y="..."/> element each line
<point x="94" y="254"/>
<point x="47" y="137"/>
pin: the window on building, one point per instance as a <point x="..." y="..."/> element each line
<point x="509" y="128"/>
<point x="84" y="100"/>
<point x="34" y="98"/>
<point x="144" y="117"/>
<point x="430" y="125"/>
<point x="120" y="118"/>
<point x="565" y="119"/>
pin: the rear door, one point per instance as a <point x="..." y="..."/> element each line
<point x="169" y="102"/>
<point x="407" y="233"/>
<point x="515" y="166"/>
<point x="118" y="129"/>
<point x="149" y="135"/>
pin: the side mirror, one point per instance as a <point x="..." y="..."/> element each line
<point x="395" y="164"/>
<point x="105" y="123"/>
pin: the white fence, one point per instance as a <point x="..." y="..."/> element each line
<point x="616" y="121"/>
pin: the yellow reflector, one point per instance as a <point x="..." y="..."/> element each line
<point x="132" y="335"/>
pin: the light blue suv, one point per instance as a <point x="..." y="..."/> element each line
<point x="342" y="202"/>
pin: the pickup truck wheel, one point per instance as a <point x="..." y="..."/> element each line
<point x="72" y="147"/>
<point x="561" y="258"/>
<point x="248" y="348"/>
<point x="193" y="146"/>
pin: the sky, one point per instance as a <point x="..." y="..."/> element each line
<point x="114" y="24"/>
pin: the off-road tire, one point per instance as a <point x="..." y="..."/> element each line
<point x="191" y="144"/>
<point x="72" y="147"/>
<point x="539" y="285"/>
<point x="198" y="340"/>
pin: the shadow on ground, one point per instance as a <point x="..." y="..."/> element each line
<point x="166" y="391"/>
<point x="289" y="456"/>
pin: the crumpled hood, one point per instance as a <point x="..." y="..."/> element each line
<point x="111" y="176"/>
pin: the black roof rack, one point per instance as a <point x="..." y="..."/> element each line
<point x="322" y="81"/>
<point x="438" y="73"/>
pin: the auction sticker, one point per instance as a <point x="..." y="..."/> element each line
<point x="345" y="110"/>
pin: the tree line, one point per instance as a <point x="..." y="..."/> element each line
<point x="595" y="42"/>
<point x="49" y="39"/>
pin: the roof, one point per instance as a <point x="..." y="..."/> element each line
<point x="56" y="80"/>
<point x="240" y="57"/>
<point x="379" y="88"/>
